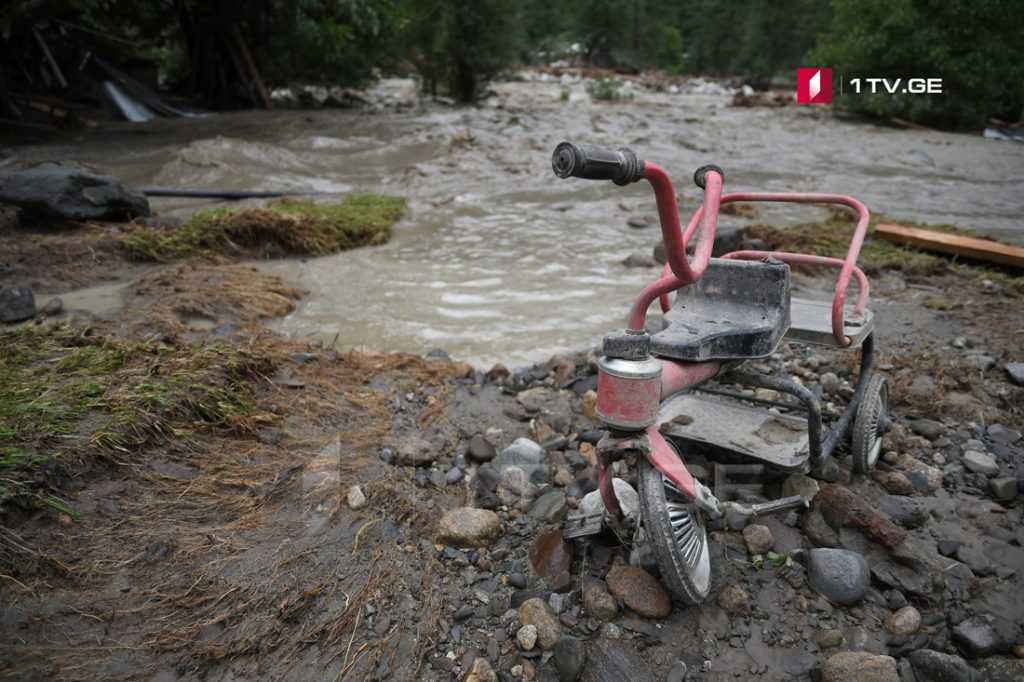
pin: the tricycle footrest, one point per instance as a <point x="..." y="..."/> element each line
<point x="580" y="525"/>
<point x="777" y="439"/>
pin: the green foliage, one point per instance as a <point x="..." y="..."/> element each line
<point x="458" y="45"/>
<point x="284" y="227"/>
<point x="330" y="41"/>
<point x="977" y="48"/>
<point x="607" y="89"/>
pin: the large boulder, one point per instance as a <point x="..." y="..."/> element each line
<point x="70" y="191"/>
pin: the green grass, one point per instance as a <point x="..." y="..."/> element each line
<point x="68" y="401"/>
<point x="285" y="227"/>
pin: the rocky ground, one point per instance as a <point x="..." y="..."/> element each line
<point x="386" y="516"/>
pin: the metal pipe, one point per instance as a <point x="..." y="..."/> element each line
<point x="223" y="193"/>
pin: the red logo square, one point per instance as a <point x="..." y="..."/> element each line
<point x="814" y="86"/>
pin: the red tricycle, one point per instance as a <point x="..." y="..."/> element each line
<point x="652" y="391"/>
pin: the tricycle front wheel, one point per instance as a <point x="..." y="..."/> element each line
<point x="675" y="527"/>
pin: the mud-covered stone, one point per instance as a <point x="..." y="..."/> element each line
<point x="416" y="451"/>
<point x="17" y="303"/>
<point x="551" y="557"/>
<point x="538" y="613"/>
<point x="905" y="621"/>
<point x="598" y="603"/>
<point x="468" y="527"/>
<point x="735" y="600"/>
<point x="859" y="666"/>
<point x="758" y="539"/>
<point x="932" y="475"/>
<point x="71" y="191"/>
<point x="640" y="591"/>
<point x="895" y="482"/>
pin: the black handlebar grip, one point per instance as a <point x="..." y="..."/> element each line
<point x="700" y="176"/>
<point x="593" y="163"/>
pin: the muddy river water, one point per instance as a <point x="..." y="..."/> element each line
<point x="500" y="261"/>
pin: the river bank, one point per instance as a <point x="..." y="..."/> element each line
<point x="274" y="508"/>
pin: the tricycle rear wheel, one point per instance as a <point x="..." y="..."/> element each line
<point x="870" y="425"/>
<point x="676" y="529"/>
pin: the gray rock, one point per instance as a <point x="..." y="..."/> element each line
<point x="677" y="673"/>
<point x="638" y="222"/>
<point x="830" y="383"/>
<point x="841" y="575"/>
<point x="53" y="307"/>
<point x="528" y="456"/>
<point x="514" y="490"/>
<point x="1003" y="489"/>
<point x="17" y="303"/>
<point x="480" y="448"/>
<point x="629" y="500"/>
<point x="608" y="660"/>
<point x="550" y="507"/>
<point x="977" y="637"/>
<point x="1015" y="370"/>
<point x="568" y="658"/>
<point x="70" y="191"/>
<point x="1002" y="434"/>
<point x="981" y="463"/>
<point x="905" y="511"/>
<point x="929" y="428"/>
<point x="981" y="361"/>
<point x="935" y="666"/>
<point x="798" y="663"/>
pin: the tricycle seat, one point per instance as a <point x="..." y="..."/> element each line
<point x="738" y="310"/>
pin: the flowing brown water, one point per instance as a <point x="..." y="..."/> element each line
<point x="500" y="261"/>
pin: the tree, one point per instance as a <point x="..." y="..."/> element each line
<point x="458" y="45"/>
<point x="976" y="48"/>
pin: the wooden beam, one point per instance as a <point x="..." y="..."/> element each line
<point x="954" y="244"/>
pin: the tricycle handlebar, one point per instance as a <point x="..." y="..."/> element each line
<point x="594" y="163"/>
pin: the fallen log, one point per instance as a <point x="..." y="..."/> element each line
<point x="954" y="244"/>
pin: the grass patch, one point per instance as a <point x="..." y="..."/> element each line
<point x="68" y="400"/>
<point x="284" y="227"/>
<point x="831" y="237"/>
<point x="607" y="89"/>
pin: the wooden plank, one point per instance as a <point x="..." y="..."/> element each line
<point x="954" y="244"/>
